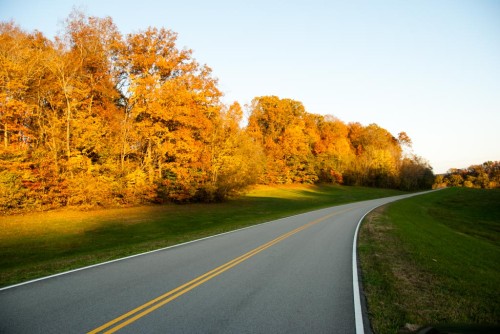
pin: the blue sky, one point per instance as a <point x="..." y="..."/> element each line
<point x="430" y="68"/>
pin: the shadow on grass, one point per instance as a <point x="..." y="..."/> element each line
<point x="50" y="243"/>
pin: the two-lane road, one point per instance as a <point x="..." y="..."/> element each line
<point x="292" y="275"/>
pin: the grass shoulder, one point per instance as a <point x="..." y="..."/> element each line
<point x="433" y="260"/>
<point x="39" y="244"/>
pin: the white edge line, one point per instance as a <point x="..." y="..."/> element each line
<point x="153" y="251"/>
<point x="125" y="258"/>
<point x="355" y="269"/>
<point x="358" y="313"/>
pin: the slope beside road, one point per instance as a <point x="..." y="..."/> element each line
<point x="291" y="275"/>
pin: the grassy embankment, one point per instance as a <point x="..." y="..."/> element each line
<point x="39" y="244"/>
<point x="433" y="260"/>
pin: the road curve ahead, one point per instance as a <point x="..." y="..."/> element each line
<point x="292" y="275"/>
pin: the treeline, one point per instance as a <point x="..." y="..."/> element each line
<point x="486" y="176"/>
<point x="95" y="118"/>
<point x="307" y="148"/>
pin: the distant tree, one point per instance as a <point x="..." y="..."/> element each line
<point x="415" y="174"/>
<point x="333" y="151"/>
<point x="280" y="126"/>
<point x="173" y="102"/>
<point x="378" y="154"/>
<point x="94" y="118"/>
<point x="455" y="180"/>
<point x="484" y="176"/>
<point x="236" y="160"/>
<point x="439" y="182"/>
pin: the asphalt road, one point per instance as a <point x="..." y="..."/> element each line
<point x="292" y="275"/>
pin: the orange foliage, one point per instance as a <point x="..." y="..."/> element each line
<point x="95" y="118"/>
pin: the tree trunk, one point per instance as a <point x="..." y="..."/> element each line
<point x="149" y="163"/>
<point x="5" y="136"/>
<point x="68" y="133"/>
<point x="124" y="141"/>
<point x="68" y="129"/>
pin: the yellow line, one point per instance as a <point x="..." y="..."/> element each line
<point x="186" y="285"/>
<point x="191" y="287"/>
<point x="160" y="301"/>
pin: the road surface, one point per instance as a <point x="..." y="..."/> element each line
<point x="292" y="275"/>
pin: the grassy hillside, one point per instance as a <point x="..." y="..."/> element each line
<point x="39" y="244"/>
<point x="433" y="259"/>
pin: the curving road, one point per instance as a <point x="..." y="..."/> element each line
<point x="292" y="275"/>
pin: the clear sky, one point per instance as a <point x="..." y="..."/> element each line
<point x="430" y="68"/>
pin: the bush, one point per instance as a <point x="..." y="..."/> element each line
<point x="13" y="195"/>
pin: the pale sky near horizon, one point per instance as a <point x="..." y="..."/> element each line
<point x="430" y="68"/>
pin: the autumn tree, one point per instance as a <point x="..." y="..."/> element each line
<point x="96" y="45"/>
<point x="78" y="109"/>
<point x="332" y="149"/>
<point x="172" y="104"/>
<point x="485" y="175"/>
<point x="236" y="159"/>
<point x="377" y="156"/>
<point x="415" y="174"/>
<point x="280" y="126"/>
<point x="94" y="118"/>
<point x="20" y="69"/>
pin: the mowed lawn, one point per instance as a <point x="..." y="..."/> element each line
<point x="434" y="260"/>
<point x="39" y="244"/>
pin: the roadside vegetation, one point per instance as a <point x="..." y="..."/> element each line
<point x="433" y="260"/>
<point x="97" y="118"/>
<point x="485" y="175"/>
<point x="39" y="244"/>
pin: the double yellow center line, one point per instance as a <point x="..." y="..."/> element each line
<point x="139" y="312"/>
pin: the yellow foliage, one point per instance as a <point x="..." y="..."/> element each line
<point x="103" y="119"/>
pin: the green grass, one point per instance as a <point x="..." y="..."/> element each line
<point x="39" y="244"/>
<point x="433" y="260"/>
